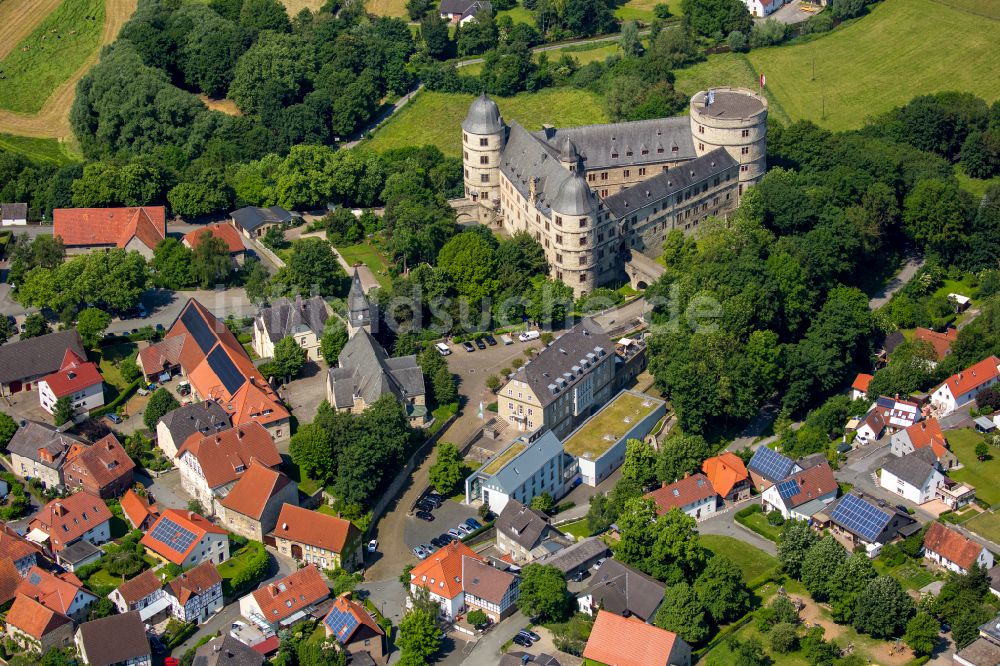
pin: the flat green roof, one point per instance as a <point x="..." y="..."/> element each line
<point x="605" y="428"/>
<point x="497" y="463"/>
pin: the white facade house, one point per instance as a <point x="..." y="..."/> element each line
<point x="802" y="494"/>
<point x="954" y="551"/>
<point x="763" y="8"/>
<point x="196" y="594"/>
<point x="13" y="214"/>
<point x="693" y="495"/>
<point x="527" y="467"/>
<point x="914" y="477"/>
<point x="961" y="388"/>
<point x="77" y="380"/>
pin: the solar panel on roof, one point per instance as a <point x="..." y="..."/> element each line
<point x="341" y="623"/>
<point x="224" y="369"/>
<point x="198" y="327"/>
<point x="173" y="536"/>
<point x="860" y="517"/>
<point x="770" y="464"/>
<point x="788" y="488"/>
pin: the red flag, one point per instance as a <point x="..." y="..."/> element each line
<point x="763" y="81"/>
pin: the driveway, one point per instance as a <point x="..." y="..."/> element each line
<point x="487" y="650"/>
<point x="860" y="473"/>
<point x="166" y="489"/>
<point x="304" y="394"/>
<point x="790" y="14"/>
<point x="905" y="274"/>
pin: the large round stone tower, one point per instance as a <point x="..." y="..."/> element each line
<point x="734" y="119"/>
<point x="483" y="136"/>
<point x="574" y="214"/>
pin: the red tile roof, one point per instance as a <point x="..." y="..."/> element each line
<point x="110" y="226"/>
<point x="104" y="461"/>
<point x="973" y="377"/>
<point x="53" y="591"/>
<point x="226" y="456"/>
<point x="441" y="573"/>
<point x="337" y="626"/>
<point x="140" y="587"/>
<point x="314" y="528"/>
<point x="951" y="545"/>
<point x="9" y="580"/>
<point x="66" y="520"/>
<point x="164" y="354"/>
<point x="861" y="382"/>
<point x="137" y="509"/>
<point x="940" y="341"/>
<point x="725" y="471"/>
<point x="194" y="581"/>
<point x="628" y="641"/>
<point x="33" y="618"/>
<point x="187" y="520"/>
<point x="257" y="485"/>
<point x="928" y="433"/>
<point x="226" y="232"/>
<point x="681" y="493"/>
<point x="291" y="594"/>
<point x="14" y="546"/>
<point x="74" y="374"/>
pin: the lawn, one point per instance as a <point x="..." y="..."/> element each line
<point x="110" y="357"/>
<point x="387" y="8"/>
<point x="758" y="523"/>
<point x="441" y="415"/>
<point x="642" y="10"/>
<point x="610" y="424"/>
<point x="986" y="525"/>
<point x="45" y="151"/>
<point x="435" y="118"/>
<point x="975" y="186"/>
<point x="982" y="475"/>
<point x="752" y="561"/>
<point x="902" y="49"/>
<point x="578" y="528"/>
<point x="911" y="575"/>
<point x="367" y="254"/>
<point x="583" y="54"/>
<point x="50" y="54"/>
<point x="519" y="15"/>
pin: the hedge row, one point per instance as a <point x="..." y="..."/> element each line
<point x="120" y="400"/>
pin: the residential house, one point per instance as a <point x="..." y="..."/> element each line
<point x="365" y="373"/>
<point x="362" y="314"/>
<point x="102" y="468"/>
<point x="190" y="422"/>
<point x="622" y="590"/>
<point x="24" y="362"/>
<point x="564" y="383"/>
<point x="253" y="222"/>
<point x="941" y="342"/>
<point x="897" y="414"/>
<point x="301" y="320"/>
<point x="599" y="444"/>
<point x="960" y="301"/>
<point x="211" y="466"/>
<point x="870" y="427"/>
<point x="227" y="651"/>
<point x="728" y="476"/>
<point x="227" y="233"/>
<point x="628" y="641"/>
<point x="252" y="506"/>
<point x="36" y="627"/>
<point x="859" y="520"/>
<point x="925" y="434"/>
<point x="63" y="522"/>
<point x="85" y="229"/>
<point x="955" y="494"/>
<point x="985" y="650"/>
<point x="763" y="8"/>
<point x="23" y="554"/>
<point x="960" y="389"/>
<point x="63" y="593"/>
<point x="859" y="387"/>
<point x="524" y="469"/>
<point x="767" y="467"/>
<point x="196" y="594"/>
<point x="693" y="495"/>
<point x="144" y="594"/>
<point x="138" y="511"/>
<point x="355" y="630"/>
<point x="953" y="550"/>
<point x="79" y="554"/>
<point x="38" y="450"/>
<point x="521" y="531"/>
<point x="914" y="477"/>
<point x="286" y="601"/>
<point x="578" y="557"/>
<point x="441" y="575"/>
<point x="201" y="348"/>
<point x="116" y="640"/>
<point x="186" y="539"/>
<point x="77" y="380"/>
<point x="13" y="214"/>
<point x="308" y="536"/>
<point x="489" y="589"/>
<point x="9" y="580"/>
<point x="463" y="11"/>
<point x="802" y="494"/>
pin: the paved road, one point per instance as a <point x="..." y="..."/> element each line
<point x="487" y="649"/>
<point x="905" y="274"/>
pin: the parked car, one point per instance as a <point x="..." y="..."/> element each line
<point x="467" y="346"/>
<point x="433" y="500"/>
<point x="426" y="506"/>
<point x="530" y="634"/>
<point x="426" y="516"/>
<point x="598" y="563"/>
<point x="579" y="576"/>
<point x="114" y="418"/>
<point x="159" y="327"/>
<point x="473" y="523"/>
<point x="522" y="641"/>
<point x="446" y="539"/>
<point x="490" y="340"/>
<point x="480" y="343"/>
<point x="419" y="552"/>
<point x="464" y="529"/>
<point x="435" y="497"/>
<point x="454" y="534"/>
<point x="436" y="542"/>
<point x="528" y="336"/>
<point x="442" y="348"/>
<point x="506" y="339"/>
<point x="372" y="546"/>
<point x="429" y="548"/>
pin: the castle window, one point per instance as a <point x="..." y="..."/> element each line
<point x="628" y="154"/>
<point x="746" y="132"/>
<point x="486" y="195"/>
<point x="558" y="221"/>
<point x="583" y="260"/>
<point x="600" y="238"/>
<point x="546" y="225"/>
<point x="744" y="167"/>
<point x="642" y="171"/>
<point x="465" y="154"/>
<point x="701" y="146"/>
<point x="614" y="156"/>
<point x="546" y="243"/>
<point x="659" y="150"/>
<point x="701" y="129"/>
<point x="559" y="275"/>
<point x="604" y="175"/>
<point x="583" y="241"/>
<point x="583" y="222"/>
<point x="583" y="277"/>
<point x="604" y="193"/>
<point x="745" y="150"/>
<point x="591" y="177"/>
<point x="484" y="159"/>
<point x="466" y="173"/>
<point x="558" y="258"/>
<point x="645" y="151"/>
<point x="465" y="137"/>
<point x="674" y="149"/>
<point x="484" y="178"/>
<point x="484" y="141"/>
<point x="665" y="167"/>
<point x="558" y="238"/>
<point x="625" y="173"/>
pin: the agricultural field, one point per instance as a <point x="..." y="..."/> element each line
<point x="642" y="10"/>
<point x="395" y="8"/>
<point x="435" y="118"/>
<point x="47" y="151"/>
<point x="583" y="54"/>
<point x="902" y="49"/>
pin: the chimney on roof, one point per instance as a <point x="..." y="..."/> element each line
<point x="239" y="433"/>
<point x="284" y="526"/>
<point x="190" y="515"/>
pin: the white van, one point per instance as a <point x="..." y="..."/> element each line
<point x="442" y="348"/>
<point x="528" y="336"/>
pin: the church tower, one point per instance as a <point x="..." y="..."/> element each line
<point x="360" y="313"/>
<point x="483" y="136"/>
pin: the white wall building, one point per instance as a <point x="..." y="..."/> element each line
<point x="693" y="495"/>
<point x="961" y="388"/>
<point x="763" y="8"/>
<point x="914" y="477"/>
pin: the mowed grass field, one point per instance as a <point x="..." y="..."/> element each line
<point x="982" y="475"/>
<point x="50" y="54"/>
<point x="435" y="118"/>
<point x="583" y="56"/>
<point x="642" y="10"/>
<point x="902" y="49"/>
<point x="752" y="561"/>
<point x="395" y="8"/>
<point x="51" y="151"/>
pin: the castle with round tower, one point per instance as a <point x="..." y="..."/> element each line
<point x="594" y="195"/>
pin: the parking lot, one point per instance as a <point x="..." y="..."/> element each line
<point x="448" y="515"/>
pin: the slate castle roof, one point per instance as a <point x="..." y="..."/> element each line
<point x="286" y="317"/>
<point x="39" y="356"/>
<point x="365" y="370"/>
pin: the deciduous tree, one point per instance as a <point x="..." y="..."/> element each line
<point x="544" y="594"/>
<point x="882" y="609"/>
<point x="161" y="402"/>
<point x="721" y="589"/>
<point x="446" y="472"/>
<point x="91" y="323"/>
<point x="683" y="613"/>
<point x="289" y="357"/>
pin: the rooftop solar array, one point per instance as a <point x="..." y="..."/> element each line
<point x="860" y="517"/>
<point x="341" y="623"/>
<point x="199" y="329"/>
<point x="224" y="369"/>
<point x="770" y="464"/>
<point x="788" y="488"/>
<point x="173" y="536"/>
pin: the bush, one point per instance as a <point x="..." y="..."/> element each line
<point x="784" y="638"/>
<point x="248" y="567"/>
<point x="661" y="10"/>
<point x="737" y="42"/>
<point x="768" y="33"/>
<point x="775" y="518"/>
<point x="748" y="511"/>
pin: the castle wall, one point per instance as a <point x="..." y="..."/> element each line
<point x="481" y="163"/>
<point x="613" y="180"/>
